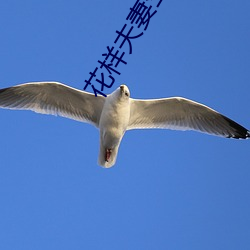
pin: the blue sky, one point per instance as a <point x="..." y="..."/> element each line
<point x="168" y="189"/>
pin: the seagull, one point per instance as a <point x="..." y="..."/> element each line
<point x="117" y="113"/>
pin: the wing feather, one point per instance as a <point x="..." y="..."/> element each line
<point x="182" y="114"/>
<point x="55" y="99"/>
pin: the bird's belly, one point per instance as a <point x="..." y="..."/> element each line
<point x="111" y="138"/>
<point x="113" y="124"/>
<point x="112" y="131"/>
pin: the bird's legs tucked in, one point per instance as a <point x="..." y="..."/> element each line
<point x="108" y="154"/>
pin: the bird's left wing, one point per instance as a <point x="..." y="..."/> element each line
<point x="53" y="98"/>
<point x="182" y="114"/>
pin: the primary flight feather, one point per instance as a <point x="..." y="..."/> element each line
<point x="117" y="113"/>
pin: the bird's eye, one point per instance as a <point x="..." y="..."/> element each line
<point x="126" y="93"/>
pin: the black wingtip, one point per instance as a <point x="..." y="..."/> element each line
<point x="248" y="134"/>
<point x="239" y="131"/>
<point x="3" y="90"/>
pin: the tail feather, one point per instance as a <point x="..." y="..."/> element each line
<point x="101" y="159"/>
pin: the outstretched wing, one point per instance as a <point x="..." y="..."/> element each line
<point x="55" y="99"/>
<point x="182" y="114"/>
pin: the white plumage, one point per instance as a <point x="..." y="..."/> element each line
<point x="117" y="113"/>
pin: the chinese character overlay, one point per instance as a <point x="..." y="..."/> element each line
<point x="139" y="18"/>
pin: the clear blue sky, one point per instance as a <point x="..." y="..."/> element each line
<point x="169" y="189"/>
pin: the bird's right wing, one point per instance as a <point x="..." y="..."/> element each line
<point x="182" y="114"/>
<point x="53" y="98"/>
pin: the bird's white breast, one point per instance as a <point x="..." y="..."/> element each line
<point x="114" y="118"/>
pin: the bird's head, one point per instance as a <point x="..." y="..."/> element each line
<point x="121" y="94"/>
<point x="124" y="91"/>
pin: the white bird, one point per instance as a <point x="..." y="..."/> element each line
<point x="117" y="113"/>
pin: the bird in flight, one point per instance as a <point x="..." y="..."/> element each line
<point x="117" y="113"/>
